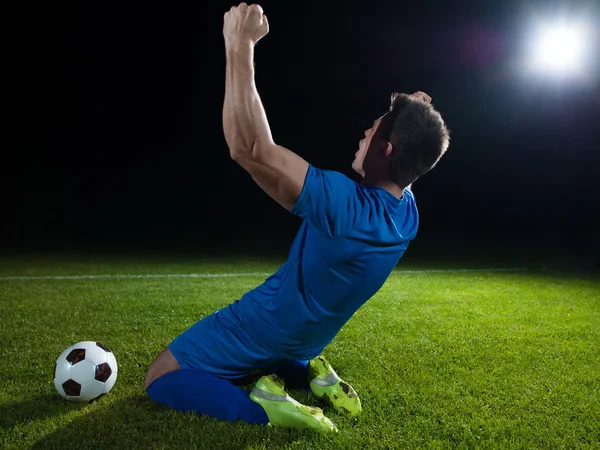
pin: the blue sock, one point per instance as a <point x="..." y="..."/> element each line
<point x="207" y="394"/>
<point x="294" y="374"/>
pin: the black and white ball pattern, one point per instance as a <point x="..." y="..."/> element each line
<point x="85" y="371"/>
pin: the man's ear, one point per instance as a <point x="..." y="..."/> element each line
<point x="389" y="149"/>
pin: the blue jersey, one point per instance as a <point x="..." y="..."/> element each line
<point x="351" y="238"/>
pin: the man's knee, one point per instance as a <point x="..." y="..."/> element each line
<point x="164" y="363"/>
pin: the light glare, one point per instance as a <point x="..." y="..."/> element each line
<point x="560" y="48"/>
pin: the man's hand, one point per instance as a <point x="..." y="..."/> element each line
<point x="422" y="96"/>
<point x="244" y="24"/>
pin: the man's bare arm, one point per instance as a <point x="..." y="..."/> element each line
<point x="244" y="119"/>
<point x="277" y="170"/>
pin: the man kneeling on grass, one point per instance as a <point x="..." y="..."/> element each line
<point x="351" y="238"/>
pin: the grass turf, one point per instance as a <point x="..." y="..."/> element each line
<point x="440" y="359"/>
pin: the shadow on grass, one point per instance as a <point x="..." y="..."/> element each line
<point x="137" y="422"/>
<point x="41" y="407"/>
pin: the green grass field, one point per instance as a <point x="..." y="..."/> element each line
<point x="441" y="359"/>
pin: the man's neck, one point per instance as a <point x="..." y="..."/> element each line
<point x="392" y="188"/>
<point x="389" y="186"/>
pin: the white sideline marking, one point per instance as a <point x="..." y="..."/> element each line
<point x="225" y="275"/>
<point x="147" y="275"/>
<point x="497" y="269"/>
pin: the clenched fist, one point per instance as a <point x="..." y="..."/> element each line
<point x="244" y="24"/>
<point x="421" y="96"/>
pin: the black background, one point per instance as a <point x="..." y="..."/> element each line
<point x="115" y="138"/>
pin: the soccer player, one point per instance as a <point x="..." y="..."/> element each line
<point x="351" y="237"/>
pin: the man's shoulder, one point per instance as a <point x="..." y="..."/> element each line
<point x="335" y="182"/>
<point x="329" y="173"/>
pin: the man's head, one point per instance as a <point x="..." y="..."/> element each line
<point x="404" y="143"/>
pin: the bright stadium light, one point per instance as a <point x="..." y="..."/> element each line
<point x="559" y="49"/>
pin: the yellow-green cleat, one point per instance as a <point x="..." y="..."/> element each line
<point x="283" y="411"/>
<point x="326" y="384"/>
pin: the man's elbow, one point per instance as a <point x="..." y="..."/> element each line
<point x="239" y="153"/>
<point x="238" y="148"/>
<point x="239" y="145"/>
<point x="255" y="152"/>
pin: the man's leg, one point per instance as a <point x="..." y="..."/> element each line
<point x="193" y="375"/>
<point x="203" y="393"/>
<point x="200" y="392"/>
<point x="164" y="363"/>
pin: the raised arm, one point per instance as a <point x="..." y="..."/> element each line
<point x="277" y="170"/>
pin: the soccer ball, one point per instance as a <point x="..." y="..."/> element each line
<point x="85" y="371"/>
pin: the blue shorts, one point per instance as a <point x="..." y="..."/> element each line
<point x="219" y="344"/>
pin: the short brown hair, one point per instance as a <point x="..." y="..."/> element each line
<point x="418" y="136"/>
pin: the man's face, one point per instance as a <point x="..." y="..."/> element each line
<point x="363" y="148"/>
